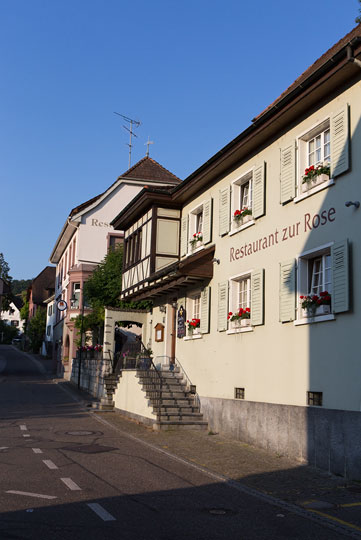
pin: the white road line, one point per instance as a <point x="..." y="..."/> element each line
<point x="49" y="464"/>
<point x="70" y="484"/>
<point x="3" y="448"/>
<point x="101" y="512"/>
<point x="26" y="435"/>
<point x="37" y="451"/>
<point x="37" y="495"/>
<point x="23" y="427"/>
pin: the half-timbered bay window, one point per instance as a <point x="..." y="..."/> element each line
<point x="241" y="302"/>
<point x="321" y="154"/>
<point x="133" y="248"/>
<point x="196" y="228"/>
<point x="315" y="286"/>
<point x="242" y="202"/>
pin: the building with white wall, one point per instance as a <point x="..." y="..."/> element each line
<point x="83" y="243"/>
<point x="12" y="315"/>
<point x="267" y="370"/>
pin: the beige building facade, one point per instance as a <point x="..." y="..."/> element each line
<point x="260" y="248"/>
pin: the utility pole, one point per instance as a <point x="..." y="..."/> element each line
<point x="132" y="123"/>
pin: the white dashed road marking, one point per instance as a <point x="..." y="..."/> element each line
<point x="3" y="448"/>
<point x="37" y="495"/>
<point x="23" y="427"/>
<point x="49" y="464"/>
<point x="26" y="435"/>
<point x="101" y="512"/>
<point x="37" y="451"/>
<point x="70" y="484"/>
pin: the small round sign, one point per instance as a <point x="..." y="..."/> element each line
<point x="62" y="305"/>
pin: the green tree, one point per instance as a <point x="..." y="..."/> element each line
<point x="7" y="332"/>
<point x="36" y="329"/>
<point x="4" y="274"/>
<point x="20" y="285"/>
<point x="24" y="311"/>
<point x="358" y="19"/>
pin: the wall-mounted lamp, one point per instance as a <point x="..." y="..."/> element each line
<point x="162" y="309"/>
<point x="356" y="204"/>
<point x="174" y="304"/>
<point x="214" y="260"/>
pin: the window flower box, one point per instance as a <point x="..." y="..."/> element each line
<point x="315" y="175"/>
<point x="241" y="318"/>
<point x="240" y="217"/>
<point x="194" y="326"/>
<point x="196" y="241"/>
<point x="315" y="305"/>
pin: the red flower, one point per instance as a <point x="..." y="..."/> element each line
<point x="248" y="310"/>
<point x="302" y="297"/>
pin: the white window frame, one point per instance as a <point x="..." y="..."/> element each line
<point x="302" y="157"/>
<point x="191" y="308"/>
<point x="236" y="192"/>
<point x="234" y="283"/>
<point x="303" y="287"/>
<point x="73" y="291"/>
<point x="192" y="229"/>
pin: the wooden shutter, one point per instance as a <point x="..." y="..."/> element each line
<point x="340" y="142"/>
<point x="259" y="178"/>
<point x="207" y="222"/>
<point x="340" y="277"/>
<point x="222" y="306"/>
<point x="205" y="309"/>
<point x="287" y="290"/>
<point x="184" y="236"/>
<point x="224" y="210"/>
<point x="288" y="173"/>
<point x="257" y="297"/>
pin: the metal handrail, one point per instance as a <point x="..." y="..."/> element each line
<point x="184" y="373"/>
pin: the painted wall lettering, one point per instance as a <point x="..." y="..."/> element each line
<point x="97" y="223"/>
<point x="286" y="233"/>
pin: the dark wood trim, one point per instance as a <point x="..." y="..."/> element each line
<point x="135" y="264"/>
<point x="153" y="239"/>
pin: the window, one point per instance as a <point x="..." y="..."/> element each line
<point x="315" y="157"/>
<point x="242" y="200"/>
<point x="48" y="330"/>
<point x="195" y="311"/>
<point x="239" y="314"/>
<point x="314" y="399"/>
<point x="50" y="310"/>
<point x="315" y="283"/>
<point x="14" y="323"/>
<point x="133" y="248"/>
<point x="196" y="228"/>
<point x="75" y="299"/>
<point x="239" y="393"/>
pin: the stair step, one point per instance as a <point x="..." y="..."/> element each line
<point x="176" y="410"/>
<point x="178" y="425"/>
<point x="188" y="417"/>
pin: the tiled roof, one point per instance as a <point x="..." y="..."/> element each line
<point x="356" y="32"/>
<point x="146" y="169"/>
<point x="43" y="285"/>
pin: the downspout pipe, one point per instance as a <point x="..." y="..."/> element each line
<point x="351" y="58"/>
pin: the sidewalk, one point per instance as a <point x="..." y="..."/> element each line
<point x="269" y="473"/>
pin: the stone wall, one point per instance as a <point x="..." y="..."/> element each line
<point x="325" y="438"/>
<point x="92" y="375"/>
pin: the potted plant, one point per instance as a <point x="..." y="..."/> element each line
<point x="315" y="175"/>
<point x="313" y="305"/>
<point x="98" y="351"/>
<point x="242" y="317"/>
<point x="197" y="238"/>
<point x="242" y="216"/>
<point x="193" y="326"/>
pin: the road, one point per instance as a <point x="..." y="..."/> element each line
<point x="64" y="474"/>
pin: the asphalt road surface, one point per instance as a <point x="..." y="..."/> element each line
<point x="66" y="475"/>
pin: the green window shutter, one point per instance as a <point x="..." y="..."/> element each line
<point x="205" y="309"/>
<point x="259" y="178"/>
<point x="288" y="173"/>
<point x="207" y="222"/>
<point x="224" y="211"/>
<point x="340" y="277"/>
<point x="340" y="142"/>
<point x="287" y="290"/>
<point x="257" y="297"/>
<point x="222" y="306"/>
<point x="184" y="236"/>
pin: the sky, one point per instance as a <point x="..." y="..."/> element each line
<point x="194" y="73"/>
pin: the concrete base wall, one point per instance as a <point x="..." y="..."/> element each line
<point x="325" y="438"/>
<point x="129" y="396"/>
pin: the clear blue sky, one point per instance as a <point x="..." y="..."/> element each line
<point x="193" y="72"/>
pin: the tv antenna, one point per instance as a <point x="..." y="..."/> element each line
<point x="148" y="143"/>
<point x="130" y="130"/>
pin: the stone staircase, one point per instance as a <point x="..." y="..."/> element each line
<point x="174" y="405"/>
<point x="111" y="383"/>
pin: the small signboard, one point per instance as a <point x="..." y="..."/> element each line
<point x="61" y="305"/>
<point x="181" y="322"/>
